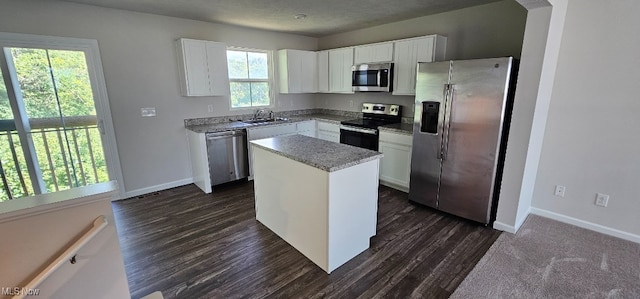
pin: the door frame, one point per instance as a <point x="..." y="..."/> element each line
<point x="98" y="86"/>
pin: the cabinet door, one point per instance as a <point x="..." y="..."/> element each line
<point x="308" y="133"/>
<point x="407" y="55"/>
<point x="306" y="128"/>
<point x="309" y="70"/>
<point x="218" y="69"/>
<point x="266" y="132"/>
<point x="203" y="68"/>
<point x="329" y="136"/>
<point x="340" y="63"/>
<point x="193" y="67"/>
<point x="328" y="126"/>
<point x="395" y="166"/>
<point x="323" y="71"/>
<point x="298" y="71"/>
<point x="290" y="69"/>
<point x="328" y="131"/>
<point x="374" y="53"/>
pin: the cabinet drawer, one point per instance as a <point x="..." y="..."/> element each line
<point x="306" y="126"/>
<point x="327" y="126"/>
<point x="271" y="131"/>
<point x="397" y="138"/>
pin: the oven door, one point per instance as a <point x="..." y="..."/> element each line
<point x="360" y="137"/>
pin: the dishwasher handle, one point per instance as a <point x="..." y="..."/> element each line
<point x="225" y="134"/>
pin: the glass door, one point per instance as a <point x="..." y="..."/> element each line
<point x="49" y="128"/>
<point x="14" y="178"/>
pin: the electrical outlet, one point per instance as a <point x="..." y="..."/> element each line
<point x="560" y="191"/>
<point x="210" y="108"/>
<point x="602" y="200"/>
<point x="148" y="111"/>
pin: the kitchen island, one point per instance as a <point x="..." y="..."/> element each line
<point x="321" y="197"/>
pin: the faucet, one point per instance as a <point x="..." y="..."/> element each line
<point x="271" y="115"/>
<point x="258" y="113"/>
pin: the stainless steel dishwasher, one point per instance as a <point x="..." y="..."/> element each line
<point x="227" y="153"/>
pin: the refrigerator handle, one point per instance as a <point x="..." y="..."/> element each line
<point x="446" y="125"/>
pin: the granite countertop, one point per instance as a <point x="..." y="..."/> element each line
<point x="401" y="128"/>
<point x="324" y="155"/>
<point x="219" y="127"/>
<point x="325" y="117"/>
<point x="235" y="125"/>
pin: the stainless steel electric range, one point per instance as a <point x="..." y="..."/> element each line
<point x="363" y="132"/>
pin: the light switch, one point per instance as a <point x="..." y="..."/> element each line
<point x="148" y="111"/>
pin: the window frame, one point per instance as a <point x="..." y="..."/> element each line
<point x="98" y="86"/>
<point x="270" y="80"/>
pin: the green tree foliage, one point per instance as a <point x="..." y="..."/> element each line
<point x="5" y="108"/>
<point x="55" y="88"/>
<point x="245" y="68"/>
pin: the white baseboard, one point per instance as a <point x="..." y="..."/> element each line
<point x="394" y="186"/>
<point x="510" y="228"/>
<point x="504" y="227"/>
<point x="587" y="225"/>
<point x="138" y="192"/>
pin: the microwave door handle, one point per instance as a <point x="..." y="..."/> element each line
<point x="379" y="78"/>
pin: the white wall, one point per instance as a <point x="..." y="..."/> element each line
<point x="483" y="31"/>
<point x="515" y="192"/>
<point x="140" y="68"/>
<point x="591" y="141"/>
<point x="34" y="237"/>
<point x="491" y="30"/>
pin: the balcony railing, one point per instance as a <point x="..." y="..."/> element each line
<point x="69" y="153"/>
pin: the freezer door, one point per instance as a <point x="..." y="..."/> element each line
<point x="473" y="129"/>
<point x="427" y="132"/>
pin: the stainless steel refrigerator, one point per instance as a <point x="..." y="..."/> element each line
<point x="462" y="113"/>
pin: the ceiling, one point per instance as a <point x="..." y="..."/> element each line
<point x="324" y="17"/>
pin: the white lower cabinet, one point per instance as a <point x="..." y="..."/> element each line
<point x="328" y="131"/>
<point x="306" y="128"/>
<point x="199" y="160"/>
<point x="267" y="132"/>
<point x="395" y="166"/>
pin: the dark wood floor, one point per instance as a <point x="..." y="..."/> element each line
<point x="188" y="244"/>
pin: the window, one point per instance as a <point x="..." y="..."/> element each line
<point x="249" y="78"/>
<point x="54" y="131"/>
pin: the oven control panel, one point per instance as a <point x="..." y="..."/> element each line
<point x="388" y="109"/>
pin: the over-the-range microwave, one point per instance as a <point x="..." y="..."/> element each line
<point x="372" y="77"/>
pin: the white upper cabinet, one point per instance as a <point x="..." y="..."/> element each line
<point x="323" y="71"/>
<point x="408" y="53"/>
<point x="382" y="52"/>
<point x="202" y="67"/>
<point x="298" y="71"/>
<point x="340" y="62"/>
